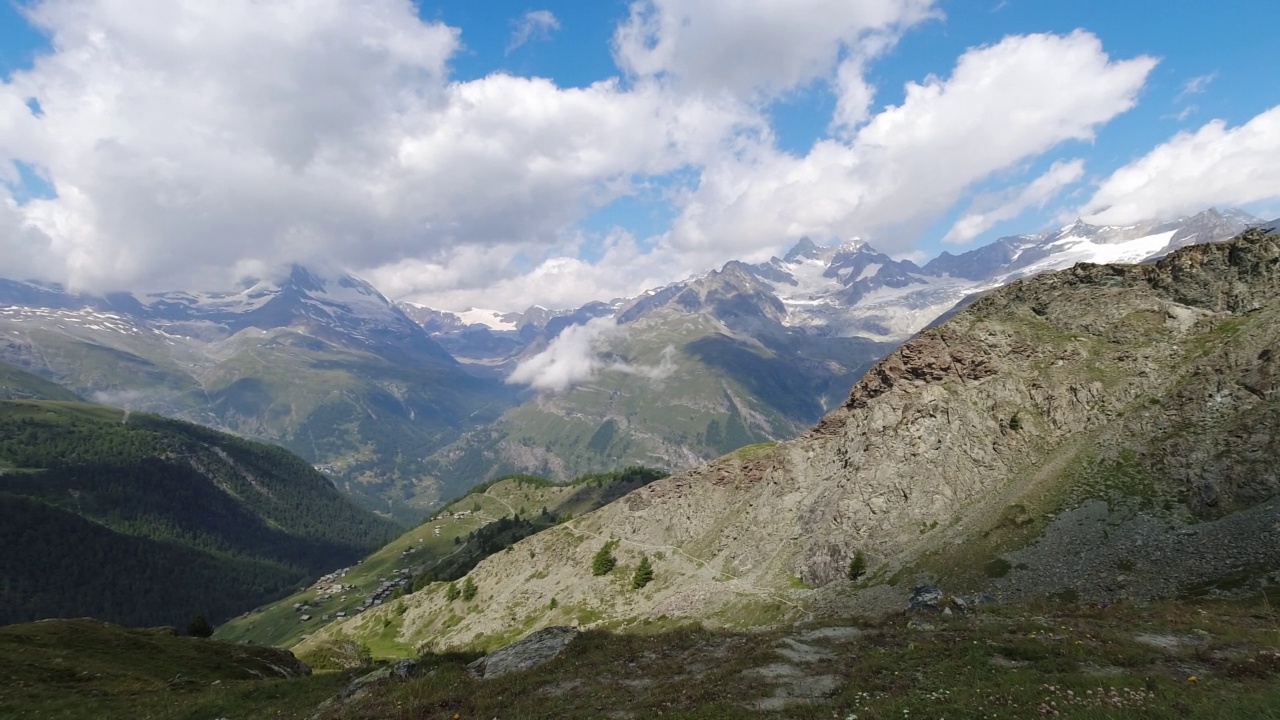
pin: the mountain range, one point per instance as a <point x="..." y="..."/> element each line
<point x="747" y="353"/>
<point x="326" y="367"/>
<point x="1101" y="433"/>
<point x="403" y="406"/>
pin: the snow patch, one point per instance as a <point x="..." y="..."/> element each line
<point x="489" y="318"/>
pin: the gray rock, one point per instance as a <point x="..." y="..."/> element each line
<point x="358" y="688"/>
<point x="404" y="669"/>
<point x="532" y="651"/>
<point x="926" y="599"/>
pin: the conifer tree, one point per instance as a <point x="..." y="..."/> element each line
<point x="857" y="566"/>
<point x="604" y="561"/>
<point x="644" y="573"/>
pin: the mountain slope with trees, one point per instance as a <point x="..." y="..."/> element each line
<point x="143" y="520"/>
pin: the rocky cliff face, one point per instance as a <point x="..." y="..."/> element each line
<point x="973" y="455"/>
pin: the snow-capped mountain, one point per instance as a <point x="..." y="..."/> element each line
<point x="848" y="290"/>
<point x="489" y="340"/>
<point x="343" y="309"/>
<point x="326" y="366"/>
<point x="346" y="308"/>
<point x="374" y="392"/>
<point x="852" y="290"/>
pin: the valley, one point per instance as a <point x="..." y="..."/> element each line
<point x="678" y="359"/>
<point x="1000" y="499"/>
<point x="404" y="406"/>
<point x="138" y="519"/>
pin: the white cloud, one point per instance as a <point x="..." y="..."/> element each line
<point x="1214" y="165"/>
<point x="571" y="359"/>
<point x="188" y="139"/>
<point x="1038" y="192"/>
<point x="759" y="47"/>
<point x="1195" y="86"/>
<point x="576" y="356"/>
<point x="534" y="25"/>
<point x="1002" y="105"/>
<point x="191" y="141"/>
<point x="655" y="373"/>
<point x="503" y="276"/>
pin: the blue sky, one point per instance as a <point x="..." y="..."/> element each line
<point x="504" y="153"/>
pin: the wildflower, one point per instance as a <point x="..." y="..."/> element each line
<point x="1193" y="679"/>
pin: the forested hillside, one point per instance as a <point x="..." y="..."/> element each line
<point x="143" y="520"/>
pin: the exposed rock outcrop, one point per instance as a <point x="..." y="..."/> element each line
<point x="1149" y="388"/>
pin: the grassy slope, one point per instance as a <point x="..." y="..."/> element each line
<point x="89" y="669"/>
<point x="17" y="384"/>
<point x="1216" y="661"/>
<point x="351" y="409"/>
<point x="1222" y="662"/>
<point x="278" y="624"/>
<point x="154" y="520"/>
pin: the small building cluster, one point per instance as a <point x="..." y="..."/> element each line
<point x="384" y="590"/>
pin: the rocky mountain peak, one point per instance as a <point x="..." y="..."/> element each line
<point x="303" y="280"/>
<point x="1208" y="226"/>
<point x="804" y="249"/>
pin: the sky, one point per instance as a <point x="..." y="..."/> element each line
<point x="504" y="154"/>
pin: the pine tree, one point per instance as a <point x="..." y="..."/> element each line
<point x="604" y="561"/>
<point x="644" y="573"/>
<point x="199" y="627"/>
<point x="468" y="590"/>
<point x="451" y="593"/>
<point x="857" y="566"/>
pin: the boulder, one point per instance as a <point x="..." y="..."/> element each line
<point x="925" y="599"/>
<point x="532" y="651"/>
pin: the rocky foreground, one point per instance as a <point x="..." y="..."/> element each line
<point x="1068" y="661"/>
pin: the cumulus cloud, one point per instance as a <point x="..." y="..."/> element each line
<point x="1002" y="105"/>
<point x="471" y="276"/>
<point x="1215" y="165"/>
<point x="576" y="356"/>
<point x="1040" y="191"/>
<point x="347" y="141"/>
<point x="571" y="359"/>
<point x="190" y="142"/>
<point x="743" y="49"/>
<point x="534" y="25"/>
